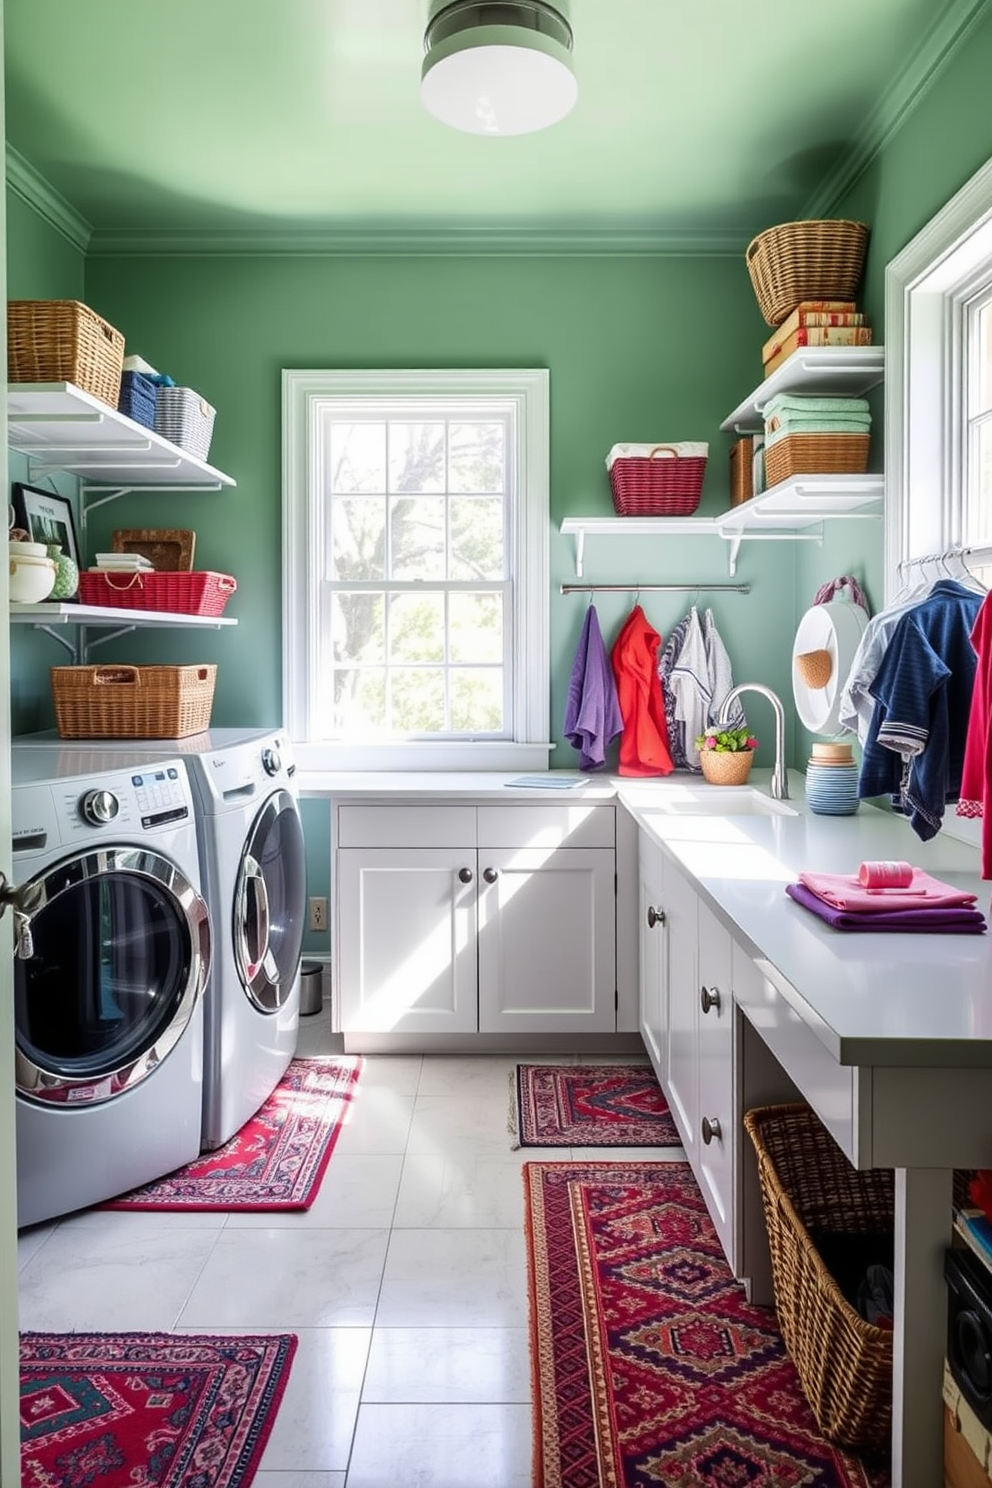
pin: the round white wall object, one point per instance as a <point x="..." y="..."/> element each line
<point x="835" y="627"/>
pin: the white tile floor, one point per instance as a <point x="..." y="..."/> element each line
<point x="405" y="1283"/>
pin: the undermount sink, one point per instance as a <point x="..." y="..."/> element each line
<point x="717" y="800"/>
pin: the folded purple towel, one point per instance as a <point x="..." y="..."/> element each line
<point x="907" y="921"/>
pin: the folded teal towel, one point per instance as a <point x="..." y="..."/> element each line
<point x="817" y="423"/>
<point x="806" y="426"/>
<point x="794" y="403"/>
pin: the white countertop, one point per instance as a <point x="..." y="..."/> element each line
<point x="451" y="785"/>
<point x="909" y="1000"/>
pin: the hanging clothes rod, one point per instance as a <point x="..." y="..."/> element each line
<point x="654" y="588"/>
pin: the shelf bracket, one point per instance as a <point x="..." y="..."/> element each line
<point x="63" y="640"/>
<point x="87" y="645"/>
<point x="580" y="548"/>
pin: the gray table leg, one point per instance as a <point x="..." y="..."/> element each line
<point x="923" y="1229"/>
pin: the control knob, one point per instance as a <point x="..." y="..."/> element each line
<point x="99" y="807"/>
<point x="271" y="761"/>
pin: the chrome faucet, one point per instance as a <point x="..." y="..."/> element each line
<point x="780" y="783"/>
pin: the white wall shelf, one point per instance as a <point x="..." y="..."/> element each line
<point x="55" y="616"/>
<point x="60" y="428"/>
<point x="823" y="371"/>
<point x="783" y="514"/>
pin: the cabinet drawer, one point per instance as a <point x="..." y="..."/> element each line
<point x="406" y="826"/>
<point x="547" y="826"/>
<point x="829" y="1087"/>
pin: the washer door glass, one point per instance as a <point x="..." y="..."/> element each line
<point x="268" y="904"/>
<point x="121" y="954"/>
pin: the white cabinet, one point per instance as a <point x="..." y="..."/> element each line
<point x="717" y="1126"/>
<point x="653" y="949"/>
<point x="474" y="918"/>
<point x="681" y="933"/>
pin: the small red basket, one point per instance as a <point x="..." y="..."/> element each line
<point x="662" y="483"/>
<point x="195" y="593"/>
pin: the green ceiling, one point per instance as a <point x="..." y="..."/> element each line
<point x="698" y="121"/>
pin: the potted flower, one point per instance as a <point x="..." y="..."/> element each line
<point x="726" y="755"/>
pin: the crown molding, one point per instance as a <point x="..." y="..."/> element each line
<point x="32" y="188"/>
<point x="404" y="243"/>
<point x="947" y="34"/>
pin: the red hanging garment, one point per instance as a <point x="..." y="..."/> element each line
<point x="975" y="797"/>
<point x="644" y="741"/>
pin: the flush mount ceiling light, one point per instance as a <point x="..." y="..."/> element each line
<point x="498" y="68"/>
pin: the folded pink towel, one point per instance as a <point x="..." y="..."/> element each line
<point x="845" y="891"/>
<point x="882" y="874"/>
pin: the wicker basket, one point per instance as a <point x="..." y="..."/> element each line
<point x="137" y="399"/>
<point x="186" y="419"/>
<point x="132" y="702"/>
<point x="815" y="260"/>
<point x="200" y="592"/>
<point x="742" y="470"/>
<point x="809" y="1187"/>
<point x="64" y="341"/>
<point x="726" y="766"/>
<point x="816" y="454"/>
<point x="662" y="484"/>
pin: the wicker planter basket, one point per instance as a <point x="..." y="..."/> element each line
<point x="132" y="702"/>
<point x="816" y="454"/>
<point x="64" y="341"/>
<point x="808" y="1187"/>
<point x="726" y="766"/>
<point x="815" y="260"/>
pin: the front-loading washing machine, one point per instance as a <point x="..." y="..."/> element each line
<point x="253" y="869"/>
<point x="109" y="979"/>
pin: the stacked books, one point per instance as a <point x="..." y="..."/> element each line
<point x="132" y="563"/>
<point x="908" y="901"/>
<point x="816" y="323"/>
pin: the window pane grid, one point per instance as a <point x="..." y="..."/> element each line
<point x="421" y="597"/>
<point x="977" y="474"/>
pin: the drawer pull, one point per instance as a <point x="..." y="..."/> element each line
<point x="709" y="999"/>
<point x="490" y="874"/>
<point x="655" y="916"/>
<point x="465" y="874"/>
<point x="710" y="1129"/>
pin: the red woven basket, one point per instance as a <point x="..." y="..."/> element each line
<point x="196" y="593"/>
<point x="662" y="484"/>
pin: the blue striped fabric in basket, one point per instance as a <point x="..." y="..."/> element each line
<point x="137" y="399"/>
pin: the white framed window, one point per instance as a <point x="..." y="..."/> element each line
<point x="415" y="568"/>
<point x="938" y="333"/>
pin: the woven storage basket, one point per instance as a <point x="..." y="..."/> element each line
<point x="816" y="454"/>
<point x="132" y="702"/>
<point x="186" y="419"/>
<point x="816" y="260"/>
<point x="742" y="470"/>
<point x="726" y="766"/>
<point x="809" y="1187"/>
<point x="64" y="341"/>
<point x="662" y="484"/>
<point x="200" y="592"/>
<point x="138" y="398"/>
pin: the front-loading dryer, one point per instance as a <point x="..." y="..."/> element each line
<point x="253" y="872"/>
<point x="108" y="980"/>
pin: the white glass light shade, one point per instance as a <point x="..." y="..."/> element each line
<point x="499" y="80"/>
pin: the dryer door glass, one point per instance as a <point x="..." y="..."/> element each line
<point x="120" y="957"/>
<point x="269" y="904"/>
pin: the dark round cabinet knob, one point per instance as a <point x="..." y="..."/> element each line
<point x="490" y="874"/>
<point x="709" y="999"/>
<point x="465" y="874"/>
<point x="655" y="916"/>
<point x="710" y="1130"/>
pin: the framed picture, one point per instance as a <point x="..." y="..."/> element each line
<point x="46" y="517"/>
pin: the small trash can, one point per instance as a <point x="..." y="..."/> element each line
<point x="311" y="988"/>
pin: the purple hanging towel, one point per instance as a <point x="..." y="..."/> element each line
<point x="592" y="714"/>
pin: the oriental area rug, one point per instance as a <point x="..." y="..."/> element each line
<point x="649" y="1366"/>
<point x="590" y="1105"/>
<point x="166" y="1410"/>
<point x="277" y="1159"/>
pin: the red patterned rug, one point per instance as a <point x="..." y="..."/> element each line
<point x="649" y="1366"/>
<point x="591" y="1105"/>
<point x="277" y="1159"/>
<point x="159" y="1410"/>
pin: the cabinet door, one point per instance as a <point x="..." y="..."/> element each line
<point x="714" y="1167"/>
<point x="547" y="939"/>
<point x="406" y="934"/>
<point x="680" y="904"/>
<point x="653" y="1011"/>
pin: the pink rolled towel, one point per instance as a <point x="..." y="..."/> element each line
<point x="845" y="891"/>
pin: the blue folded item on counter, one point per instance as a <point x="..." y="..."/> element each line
<point x="902" y="921"/>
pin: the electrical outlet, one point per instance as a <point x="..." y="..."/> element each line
<point x="318" y="914"/>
